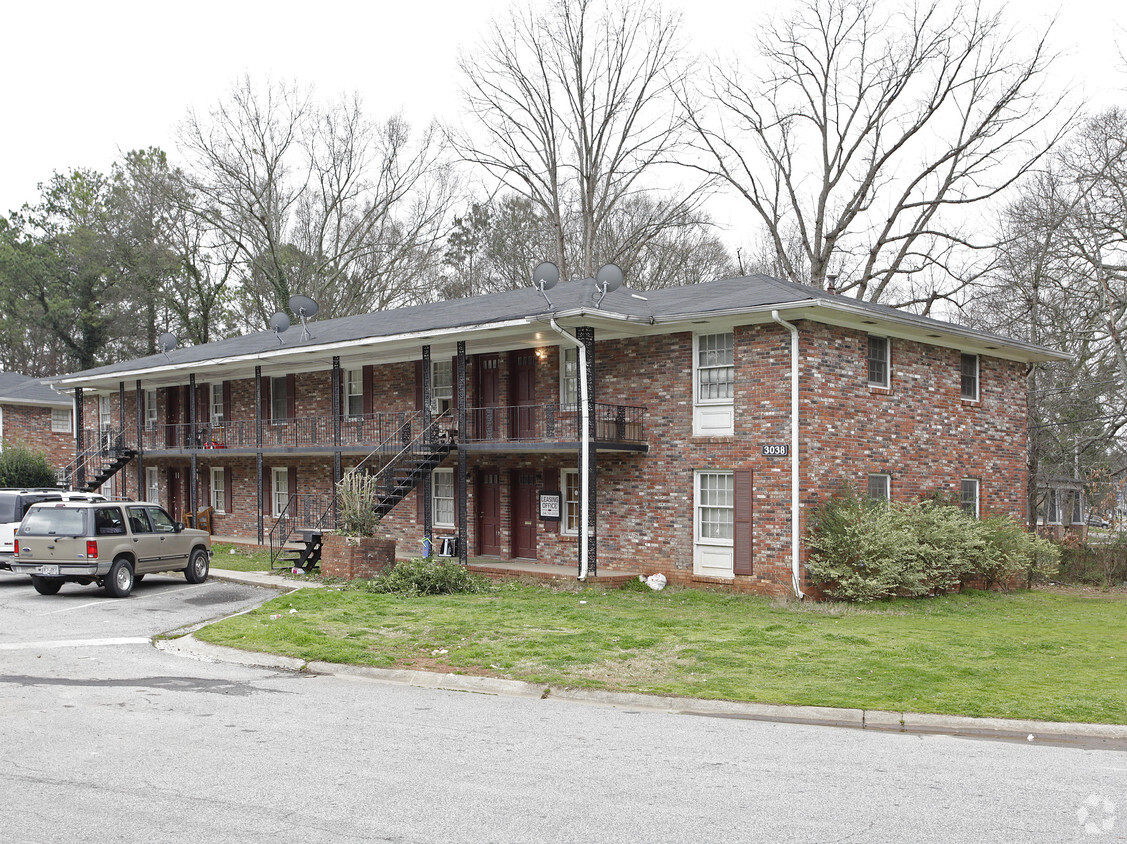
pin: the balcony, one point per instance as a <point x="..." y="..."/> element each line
<point x="515" y="428"/>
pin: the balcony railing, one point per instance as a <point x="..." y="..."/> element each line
<point x="543" y="423"/>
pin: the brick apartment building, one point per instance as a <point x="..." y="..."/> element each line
<point x="693" y="467"/>
<point x="35" y="416"/>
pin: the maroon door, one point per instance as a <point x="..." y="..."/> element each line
<point x="488" y="498"/>
<point x="175" y="500"/>
<point x="523" y="374"/>
<point x="172" y="418"/>
<point x="487" y="397"/>
<point x="524" y="513"/>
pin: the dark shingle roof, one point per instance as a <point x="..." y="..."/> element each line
<point x="23" y="389"/>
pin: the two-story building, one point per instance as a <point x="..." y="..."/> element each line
<point x="683" y="430"/>
<point x="35" y="416"/>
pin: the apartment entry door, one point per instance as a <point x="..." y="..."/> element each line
<point x="488" y="498"/>
<point x="523" y="371"/>
<point x="524" y="513"/>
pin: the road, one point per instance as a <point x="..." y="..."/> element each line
<point x="104" y="738"/>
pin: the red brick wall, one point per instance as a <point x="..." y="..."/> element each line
<point x="30" y="426"/>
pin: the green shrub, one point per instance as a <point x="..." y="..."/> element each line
<point x="425" y="576"/>
<point x="22" y="467"/>
<point x="863" y="550"/>
<point x="1095" y="563"/>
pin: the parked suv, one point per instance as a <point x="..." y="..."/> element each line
<point x="14" y="504"/>
<point x="111" y="543"/>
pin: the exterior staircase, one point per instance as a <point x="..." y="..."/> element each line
<point x="101" y="462"/>
<point x="417" y="457"/>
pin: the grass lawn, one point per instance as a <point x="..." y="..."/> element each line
<point x="239" y="557"/>
<point x="1035" y="654"/>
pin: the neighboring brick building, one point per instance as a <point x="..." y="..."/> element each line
<point x="34" y="415"/>
<point x="689" y="421"/>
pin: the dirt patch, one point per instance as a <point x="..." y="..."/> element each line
<point x="1081" y="591"/>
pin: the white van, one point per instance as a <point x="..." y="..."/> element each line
<point x="14" y="504"/>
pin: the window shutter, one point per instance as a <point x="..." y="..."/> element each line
<point x="551" y="482"/>
<point x="420" y="491"/>
<point x="418" y="385"/>
<point x="205" y="490"/>
<point x="454" y="380"/>
<point x="291" y="401"/>
<point x="264" y="411"/>
<point x="368" y="402"/>
<point x="228" y="492"/>
<point x="267" y="492"/>
<point x="741" y="552"/>
<point x="226" y="401"/>
<point x="292" y="480"/>
<point x="185" y="404"/>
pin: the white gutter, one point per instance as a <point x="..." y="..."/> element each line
<point x="584" y="449"/>
<point x="795" y="500"/>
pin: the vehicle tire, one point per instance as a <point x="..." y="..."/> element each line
<point x="119" y="582"/>
<point x="198" y="567"/>
<point x="46" y="585"/>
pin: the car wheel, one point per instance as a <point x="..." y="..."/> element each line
<point x="119" y="582"/>
<point x="198" y="567"/>
<point x="46" y="585"/>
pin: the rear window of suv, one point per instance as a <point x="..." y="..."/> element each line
<point x="53" y="521"/>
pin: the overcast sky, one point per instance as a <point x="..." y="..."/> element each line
<point x="87" y="80"/>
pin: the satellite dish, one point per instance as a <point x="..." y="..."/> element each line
<point x="304" y="306"/>
<point x="546" y="276"/>
<point x="279" y="323"/>
<point x="607" y="279"/>
<point x="166" y="342"/>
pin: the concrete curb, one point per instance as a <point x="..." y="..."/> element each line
<point x="865" y="719"/>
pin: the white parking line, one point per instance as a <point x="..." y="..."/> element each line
<point x="74" y="643"/>
<point x="110" y="602"/>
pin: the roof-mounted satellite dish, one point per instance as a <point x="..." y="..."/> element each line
<point x="607" y="280"/>
<point x="166" y="343"/>
<point x="279" y="323"/>
<point x="545" y="277"/>
<point x="304" y="307"/>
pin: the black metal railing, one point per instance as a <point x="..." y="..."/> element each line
<point x="553" y="423"/>
<point x="101" y="447"/>
<point x="302" y="512"/>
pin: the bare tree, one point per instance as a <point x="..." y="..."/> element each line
<point x="318" y="200"/>
<point x="866" y="132"/>
<point x="573" y="108"/>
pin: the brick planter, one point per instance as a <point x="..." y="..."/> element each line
<point x="356" y="557"/>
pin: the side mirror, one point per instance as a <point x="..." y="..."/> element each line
<point x="179" y="527"/>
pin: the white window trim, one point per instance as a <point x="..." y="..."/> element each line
<point x="887" y="485"/>
<point x="435" y="499"/>
<point x="214" y="417"/>
<point x="564" y="529"/>
<point x="977" y="495"/>
<point x="977" y="377"/>
<point x="698" y="475"/>
<point x="565" y="400"/>
<point x="105" y="413"/>
<point x="275" y="473"/>
<point x="697" y="400"/>
<point x="274" y="418"/>
<point x="353" y="380"/>
<point x="219" y="505"/>
<point x="887" y="384"/>
<point x="150" y="409"/>
<point x="152" y="484"/>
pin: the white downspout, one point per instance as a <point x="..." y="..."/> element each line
<point x="795" y="500"/>
<point x="584" y="448"/>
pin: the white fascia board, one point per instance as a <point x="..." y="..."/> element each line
<point x="36" y="403"/>
<point x="168" y="372"/>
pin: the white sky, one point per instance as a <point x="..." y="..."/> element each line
<point x="85" y="81"/>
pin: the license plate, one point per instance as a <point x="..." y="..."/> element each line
<point x="48" y="570"/>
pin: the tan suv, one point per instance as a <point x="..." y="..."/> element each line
<point x="111" y="543"/>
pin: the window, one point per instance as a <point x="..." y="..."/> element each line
<point x="570" y="484"/>
<point x="150" y="409"/>
<point x="152" y="484"/>
<point x="108" y="521"/>
<point x="878" y="361"/>
<point x="354" y="393"/>
<point x="1052" y="508"/>
<point x="968" y="369"/>
<point x="716" y="371"/>
<point x="569" y="376"/>
<point x="442" y="385"/>
<point x="105" y="420"/>
<point x="442" y="488"/>
<point x="162" y="522"/>
<point x="715" y="508"/>
<point x="879" y="487"/>
<point x="968" y="496"/>
<point x="280" y="489"/>
<point x="60" y="420"/>
<point x="217" y="404"/>
<point x="279" y="399"/>
<point x="1077" y="509"/>
<point x="139" y="521"/>
<point x="218" y="490"/>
